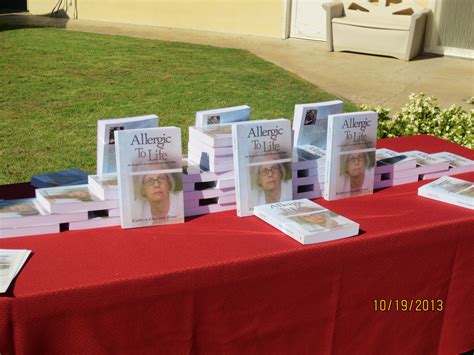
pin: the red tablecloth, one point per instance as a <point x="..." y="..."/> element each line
<point x="224" y="284"/>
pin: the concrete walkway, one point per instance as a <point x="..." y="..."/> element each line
<point x="357" y="77"/>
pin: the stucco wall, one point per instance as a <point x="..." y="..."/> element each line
<point x="257" y="17"/>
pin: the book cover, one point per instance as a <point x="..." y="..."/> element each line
<point x="450" y="190"/>
<point x="389" y="161"/>
<point x="223" y="115"/>
<point x="106" y="140"/>
<point x="350" y="156"/>
<point x="310" y="124"/>
<point x="262" y="163"/>
<point x="59" y="178"/>
<point x="150" y="176"/>
<point x="306" y="221"/>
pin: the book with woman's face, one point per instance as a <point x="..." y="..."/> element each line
<point x="150" y="176"/>
<point x="350" y="154"/>
<point x="262" y="163"/>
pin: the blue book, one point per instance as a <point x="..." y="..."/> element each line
<point x="60" y="178"/>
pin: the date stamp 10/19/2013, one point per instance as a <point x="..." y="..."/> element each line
<point x="408" y="305"/>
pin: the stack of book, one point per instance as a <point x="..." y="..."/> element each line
<point x="79" y="199"/>
<point x="394" y="169"/>
<point x="209" y="184"/>
<point x="306" y="222"/>
<point x="428" y="164"/>
<point x="310" y="138"/>
<point x="457" y="165"/>
<point x="450" y="190"/>
<point x="308" y="174"/>
<point x="11" y="261"/>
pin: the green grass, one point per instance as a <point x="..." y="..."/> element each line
<point x="56" y="84"/>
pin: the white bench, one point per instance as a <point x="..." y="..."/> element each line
<point x="385" y="27"/>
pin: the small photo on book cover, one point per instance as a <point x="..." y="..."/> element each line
<point x="356" y="171"/>
<point x="150" y="176"/>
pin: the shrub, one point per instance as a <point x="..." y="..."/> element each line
<point x="423" y="115"/>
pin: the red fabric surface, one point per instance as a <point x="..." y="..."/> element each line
<point x="224" y="284"/>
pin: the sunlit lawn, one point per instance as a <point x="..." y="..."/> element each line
<point x="55" y="85"/>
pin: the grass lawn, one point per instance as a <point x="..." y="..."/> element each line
<point x="56" y="84"/>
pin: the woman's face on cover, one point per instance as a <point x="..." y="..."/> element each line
<point x="355" y="164"/>
<point x="269" y="176"/>
<point x="156" y="187"/>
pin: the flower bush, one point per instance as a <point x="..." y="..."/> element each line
<point x="423" y="115"/>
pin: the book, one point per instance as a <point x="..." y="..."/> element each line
<point x="350" y="155"/>
<point x="96" y="222"/>
<point x="307" y="222"/>
<point x="389" y="161"/>
<point x="150" y="176"/>
<point x="59" y="178"/>
<point x="106" y="140"/>
<point x="68" y="199"/>
<point x="29" y="230"/>
<point x="310" y="123"/>
<point x="215" y="136"/>
<point x="105" y="186"/>
<point x="427" y="163"/>
<point x="11" y="262"/>
<point x="213" y="208"/>
<point x="223" y="115"/>
<point x="450" y="190"/>
<point x="262" y="163"/>
<point x="457" y="164"/>
<point x="28" y="212"/>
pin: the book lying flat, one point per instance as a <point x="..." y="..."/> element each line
<point x="427" y="163"/>
<point x="106" y="140"/>
<point x="307" y="222"/>
<point x="223" y="115"/>
<point x="11" y="261"/>
<point x="59" y="178"/>
<point x="72" y="199"/>
<point x="450" y="190"/>
<point x="457" y="165"/>
<point x="150" y="176"/>
<point x="28" y="212"/>
<point x="29" y="230"/>
<point x="389" y="161"/>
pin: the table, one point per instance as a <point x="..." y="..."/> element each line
<point x="223" y="284"/>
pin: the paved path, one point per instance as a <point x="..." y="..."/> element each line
<point x="360" y="78"/>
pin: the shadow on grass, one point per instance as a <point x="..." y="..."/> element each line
<point x="15" y="21"/>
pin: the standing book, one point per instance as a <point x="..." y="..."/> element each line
<point x="310" y="124"/>
<point x="306" y="221"/>
<point x="262" y="163"/>
<point x="223" y="115"/>
<point x="150" y="176"/>
<point x="106" y="138"/>
<point x="350" y="156"/>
